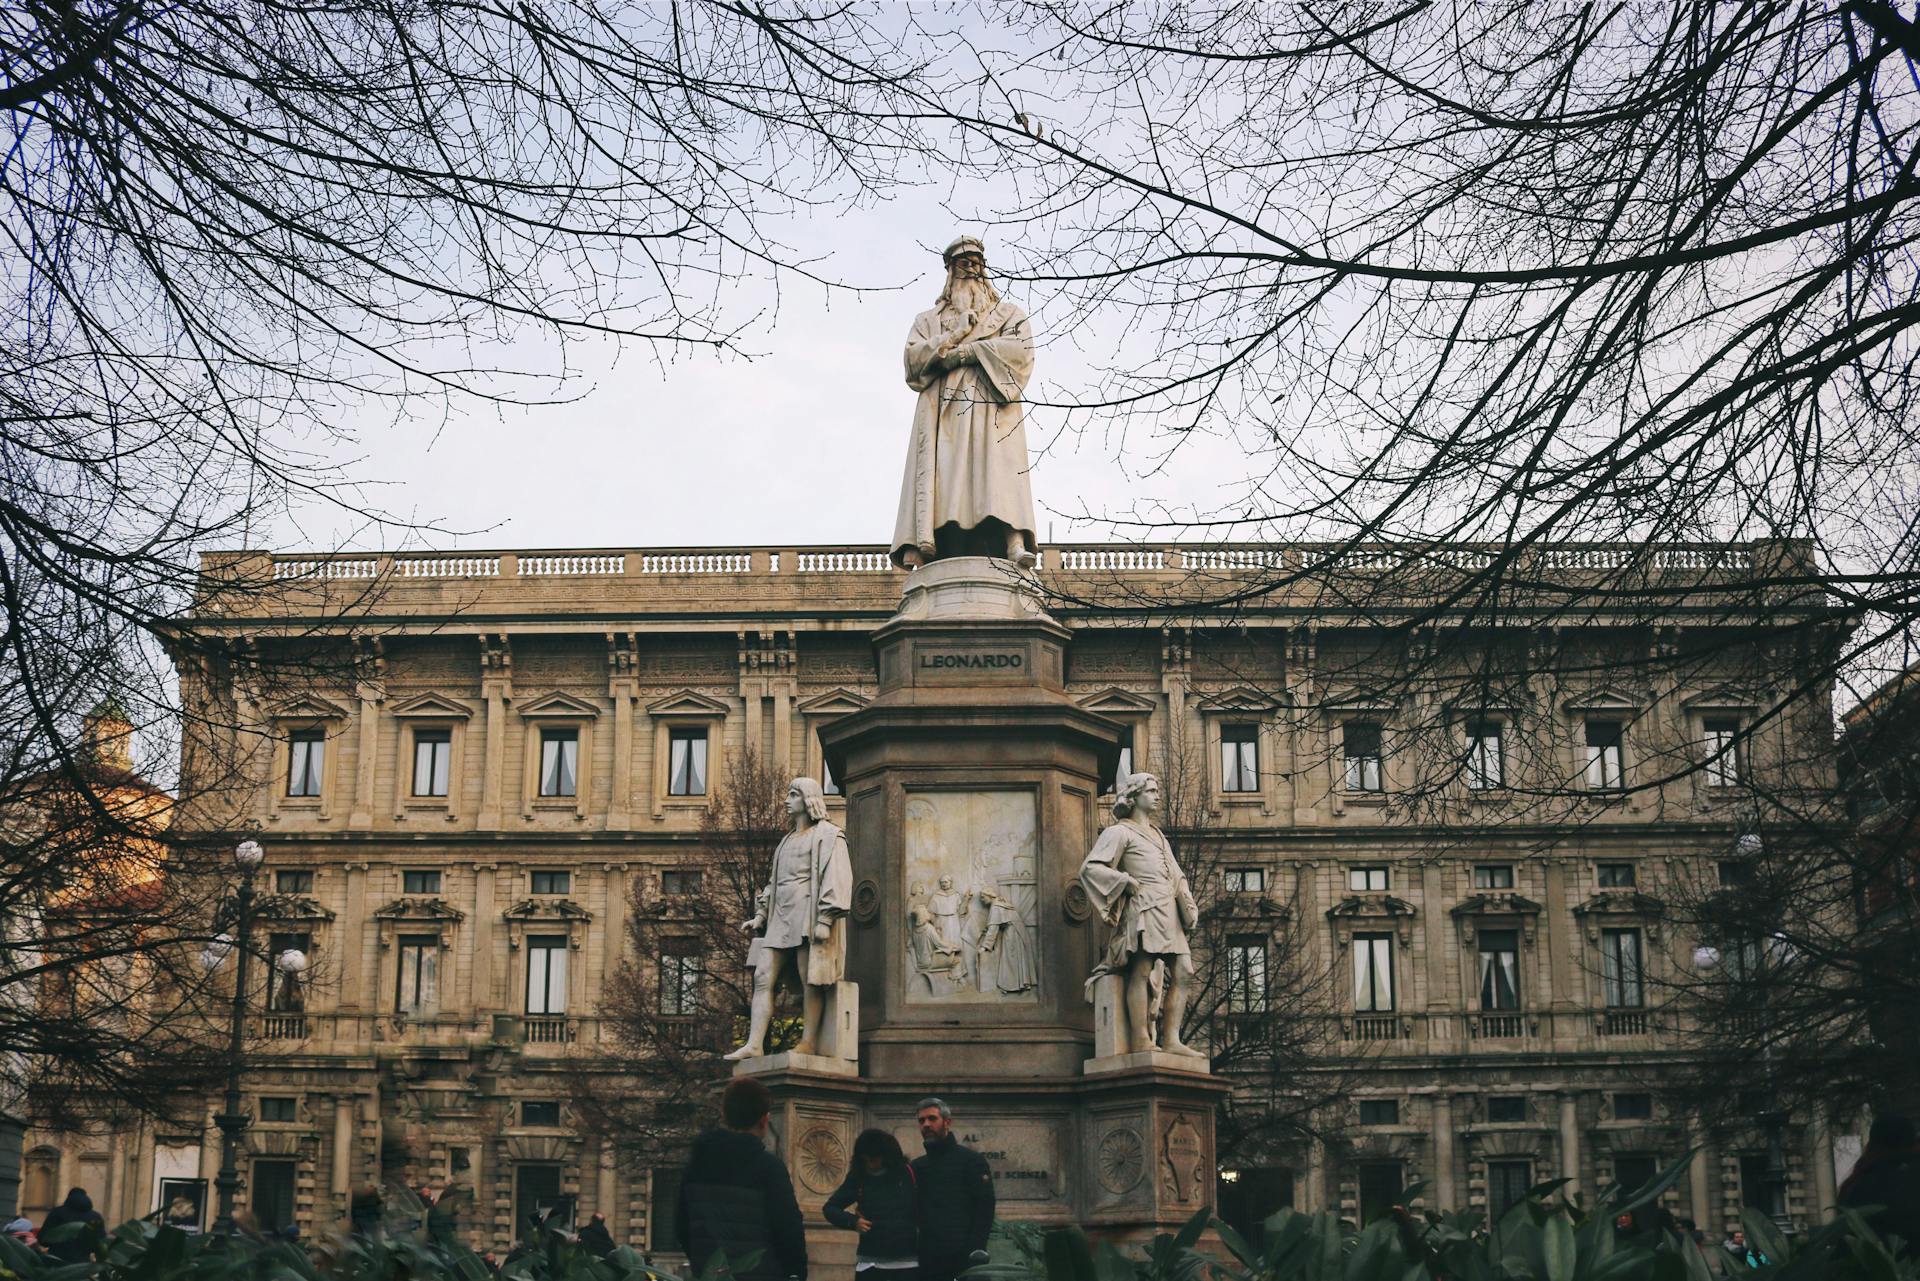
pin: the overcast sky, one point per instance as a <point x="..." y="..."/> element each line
<point x="803" y="443"/>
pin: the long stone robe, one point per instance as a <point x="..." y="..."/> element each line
<point x="967" y="460"/>
<point x="811" y="884"/>
<point x="1155" y="917"/>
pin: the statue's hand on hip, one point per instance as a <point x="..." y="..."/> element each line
<point x="822" y="932"/>
<point x="753" y="926"/>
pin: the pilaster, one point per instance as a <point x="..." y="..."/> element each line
<point x="496" y="688"/>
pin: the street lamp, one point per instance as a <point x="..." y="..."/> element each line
<point x="247" y="856"/>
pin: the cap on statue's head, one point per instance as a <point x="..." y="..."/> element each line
<point x="964" y="245"/>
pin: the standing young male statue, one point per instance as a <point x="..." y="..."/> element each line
<point x="803" y="910"/>
<point x="1137" y="888"/>
<point x="966" y="492"/>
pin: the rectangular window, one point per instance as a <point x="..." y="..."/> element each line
<point x="273" y="1194"/>
<point x="417" y="985"/>
<point x="1486" y="760"/>
<point x="663" y="1233"/>
<point x="1507" y="1184"/>
<point x="687" y="762"/>
<point x="1362" y="880"/>
<point x="1239" y="758"/>
<point x="1362" y="748"/>
<point x="1246" y="880"/>
<point x="1605" y="768"/>
<point x="559" y="762"/>
<point x="306" y="761"/>
<point x="1382" y="1183"/>
<point x="1620" y="968"/>
<point x="536" y="1191"/>
<point x="540" y="1112"/>
<point x="1616" y="876"/>
<point x="1726" y="766"/>
<point x="1762" y="1187"/>
<point x="549" y="882"/>
<point x="1379" y="1111"/>
<point x="419" y="882"/>
<point x="1493" y="876"/>
<point x="1125" y="767"/>
<point x="293" y="882"/>
<point x="1499" y="969"/>
<point x="1506" y="1109"/>
<point x="829" y="785"/>
<point x="1633" y="1171"/>
<point x="432" y="753"/>
<point x="284" y="992"/>
<point x="278" y="1109"/>
<point x="1246" y="974"/>
<point x="680" y="983"/>
<point x="680" y="884"/>
<point x="547" y="974"/>
<point x="1635" y="1106"/>
<point x="1373" y="973"/>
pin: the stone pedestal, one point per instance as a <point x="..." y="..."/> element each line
<point x="973" y="765"/>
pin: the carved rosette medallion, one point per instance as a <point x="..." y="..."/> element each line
<point x="1121" y="1160"/>
<point x="866" y="902"/>
<point x="822" y="1159"/>
<point x="1182" y="1149"/>
<point x="1074" y="902"/>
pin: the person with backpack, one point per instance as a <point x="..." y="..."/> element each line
<point x="72" y="1230"/>
<point x="880" y="1186"/>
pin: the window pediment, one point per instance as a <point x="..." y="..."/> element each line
<point x="1622" y="903"/>
<point x="1604" y="700"/>
<point x="1497" y="905"/>
<point x="687" y="702"/>
<point x="1119" y="702"/>
<point x="558" y="703"/>
<point x="295" y="908"/>
<point x="1348" y="705"/>
<point x="309" y="707"/>
<point x="1723" y="699"/>
<point x="546" y="909"/>
<point x="431" y="705"/>
<point x="1361" y="907"/>
<point x="420" y="909"/>
<point x="1241" y="698"/>
<point x="835" y="702"/>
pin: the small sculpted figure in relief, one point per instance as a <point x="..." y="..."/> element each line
<point x="1138" y="889"/>
<point x="803" y="912"/>
<point x="966" y="491"/>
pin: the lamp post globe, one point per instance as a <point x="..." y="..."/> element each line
<point x="291" y="961"/>
<point x="1706" y="957"/>
<point x="248" y="854"/>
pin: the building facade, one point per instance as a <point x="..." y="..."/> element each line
<point x="463" y="768"/>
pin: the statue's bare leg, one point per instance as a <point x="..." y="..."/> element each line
<point x="1174" y="1012"/>
<point x="1017" y="550"/>
<point x="1139" y="1003"/>
<point x="813" y="1008"/>
<point x="760" y="1010"/>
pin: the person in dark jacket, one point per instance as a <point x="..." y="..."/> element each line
<point x="595" y="1237"/>
<point x="366" y="1212"/>
<point x="735" y="1196"/>
<point x="82" y="1225"/>
<point x="880" y="1183"/>
<point x="1887" y="1175"/>
<point x="956" y="1197"/>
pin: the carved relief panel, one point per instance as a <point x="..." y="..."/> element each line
<point x="972" y="897"/>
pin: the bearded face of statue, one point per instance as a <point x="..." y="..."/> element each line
<point x="968" y="289"/>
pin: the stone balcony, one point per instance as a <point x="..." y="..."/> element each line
<point x="723" y="587"/>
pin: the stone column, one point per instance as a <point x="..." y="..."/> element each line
<point x="1700" y="1178"/>
<point x="1825" y="1195"/>
<point x="342" y="1184"/>
<point x="1316" y="1189"/>
<point x="480" y="993"/>
<point x="1570" y="1141"/>
<point x="352" y="940"/>
<point x="614" y="945"/>
<point x="372" y="693"/>
<point x="622" y="658"/>
<point x="603" y="1187"/>
<point x="1443" y="1186"/>
<point x="496" y="687"/>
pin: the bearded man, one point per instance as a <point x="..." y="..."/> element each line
<point x="966" y="491"/>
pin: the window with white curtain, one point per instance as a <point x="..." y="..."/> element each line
<point x="417" y="986"/>
<point x="1725" y="752"/>
<point x="306" y="761"/>
<point x="1246" y="974"/>
<point x="680" y="974"/>
<point x="1486" y="767"/>
<point x="1361" y="745"/>
<point x="432" y="753"/>
<point x="1373" y="973"/>
<point x="547" y="974"/>
<point x="559" y="762"/>
<point x="1499" y="969"/>
<point x="687" y="762"/>
<point x="1606" y="769"/>
<point x="1239" y="758"/>
<point x="1620" y="968"/>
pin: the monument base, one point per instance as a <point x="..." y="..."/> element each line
<point x="1156" y="1060"/>
<point x="788" y="1061"/>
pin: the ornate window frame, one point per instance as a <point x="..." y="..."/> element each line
<point x="1241" y="703"/>
<point x="415" y="915"/>
<point x="1134" y="710"/>
<point x="429" y="712"/>
<point x="546" y="915"/>
<point x="1334" y="716"/>
<point x="815" y="713"/>
<point x="683" y="709"/>
<point x="305" y="713"/>
<point x="557" y="710"/>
